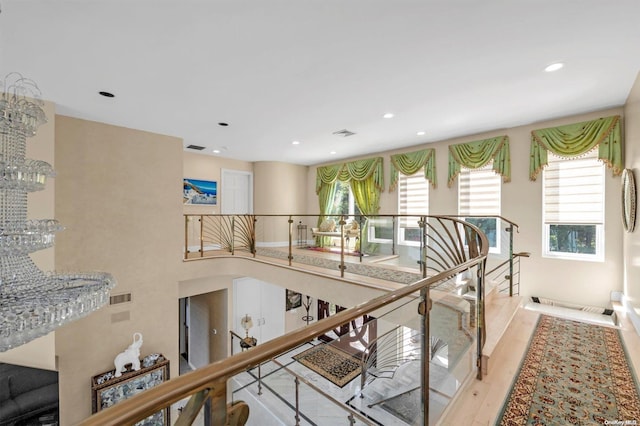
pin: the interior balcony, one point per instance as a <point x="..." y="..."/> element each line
<point x="400" y="358"/>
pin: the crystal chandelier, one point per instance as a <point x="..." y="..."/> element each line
<point x="32" y="303"/>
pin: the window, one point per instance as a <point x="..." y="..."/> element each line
<point x="344" y="201"/>
<point x="479" y="195"/>
<point x="413" y="198"/>
<point x="573" y="208"/>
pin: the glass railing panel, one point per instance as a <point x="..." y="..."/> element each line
<point x="394" y="241"/>
<point x="326" y="235"/>
<point x="499" y="233"/>
<point x="405" y="347"/>
<point x="207" y="235"/>
<point x="392" y="389"/>
<point x="391" y="367"/>
<point x="272" y="237"/>
<point x="379" y="235"/>
<point x="445" y="244"/>
<point x="285" y="391"/>
<point x="452" y="340"/>
<point x="331" y="387"/>
<point x="265" y="406"/>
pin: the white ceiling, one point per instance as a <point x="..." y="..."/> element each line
<point x="284" y="70"/>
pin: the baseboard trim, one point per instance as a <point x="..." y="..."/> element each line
<point x="195" y="249"/>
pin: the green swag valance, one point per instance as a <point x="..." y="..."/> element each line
<point x="476" y="154"/>
<point x="410" y="162"/>
<point x="575" y="139"/>
<point x="358" y="170"/>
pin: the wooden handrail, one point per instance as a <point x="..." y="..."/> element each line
<point x="211" y="376"/>
<point x="521" y="254"/>
<point x="488" y="216"/>
<point x="154" y="399"/>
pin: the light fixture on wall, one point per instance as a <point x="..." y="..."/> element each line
<point x="32" y="303"/>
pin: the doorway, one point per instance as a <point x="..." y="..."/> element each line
<point x="183" y="338"/>
<point x="236" y="192"/>
<point x="203" y="336"/>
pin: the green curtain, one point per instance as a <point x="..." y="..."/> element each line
<point x="410" y="162"/>
<point x="366" y="178"/>
<point x="476" y="154"/>
<point x="575" y="139"/>
<point x="367" y="196"/>
<point x="370" y="168"/>
<point x="326" y="194"/>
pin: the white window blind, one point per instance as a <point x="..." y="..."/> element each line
<point x="413" y="198"/>
<point x="574" y="190"/>
<point x="479" y="191"/>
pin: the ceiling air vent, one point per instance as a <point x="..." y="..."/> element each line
<point x="344" y="133"/>
<point x="196" y="147"/>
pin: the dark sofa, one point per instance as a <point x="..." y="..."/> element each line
<point x="26" y="392"/>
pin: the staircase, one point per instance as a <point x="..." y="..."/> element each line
<point x="500" y="309"/>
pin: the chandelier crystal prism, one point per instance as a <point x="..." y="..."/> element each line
<point x="32" y="302"/>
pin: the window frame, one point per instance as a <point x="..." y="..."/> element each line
<point x="599" y="254"/>
<point x="464" y="171"/>
<point x="351" y="201"/>
<point x="402" y="182"/>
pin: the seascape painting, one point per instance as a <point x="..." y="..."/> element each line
<point x="201" y="192"/>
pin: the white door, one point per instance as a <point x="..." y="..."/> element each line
<point x="264" y="303"/>
<point x="236" y="192"/>
<point x="272" y="298"/>
<point x="246" y="301"/>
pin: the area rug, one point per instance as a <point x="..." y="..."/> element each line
<point x="573" y="373"/>
<point x="331" y="363"/>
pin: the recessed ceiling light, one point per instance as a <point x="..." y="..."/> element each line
<point x="332" y="153"/>
<point x="216" y="151"/>
<point x="388" y="115"/>
<point x="223" y="124"/>
<point x="295" y="143"/>
<point x="554" y="67"/>
<point x="421" y="133"/>
<point x="107" y="94"/>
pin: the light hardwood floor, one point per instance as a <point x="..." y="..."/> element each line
<point x="481" y="401"/>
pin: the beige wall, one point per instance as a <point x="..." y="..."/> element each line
<point x="208" y="167"/>
<point x="581" y="282"/>
<point x="40" y="353"/>
<point x="632" y="161"/>
<point x="279" y="188"/>
<point x="118" y="192"/>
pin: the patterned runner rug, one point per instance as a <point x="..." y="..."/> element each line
<point x="331" y="363"/>
<point x="573" y="373"/>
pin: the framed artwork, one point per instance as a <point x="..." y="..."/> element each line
<point x="200" y="192"/>
<point x="107" y="390"/>
<point x="628" y="200"/>
<point x="293" y="300"/>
